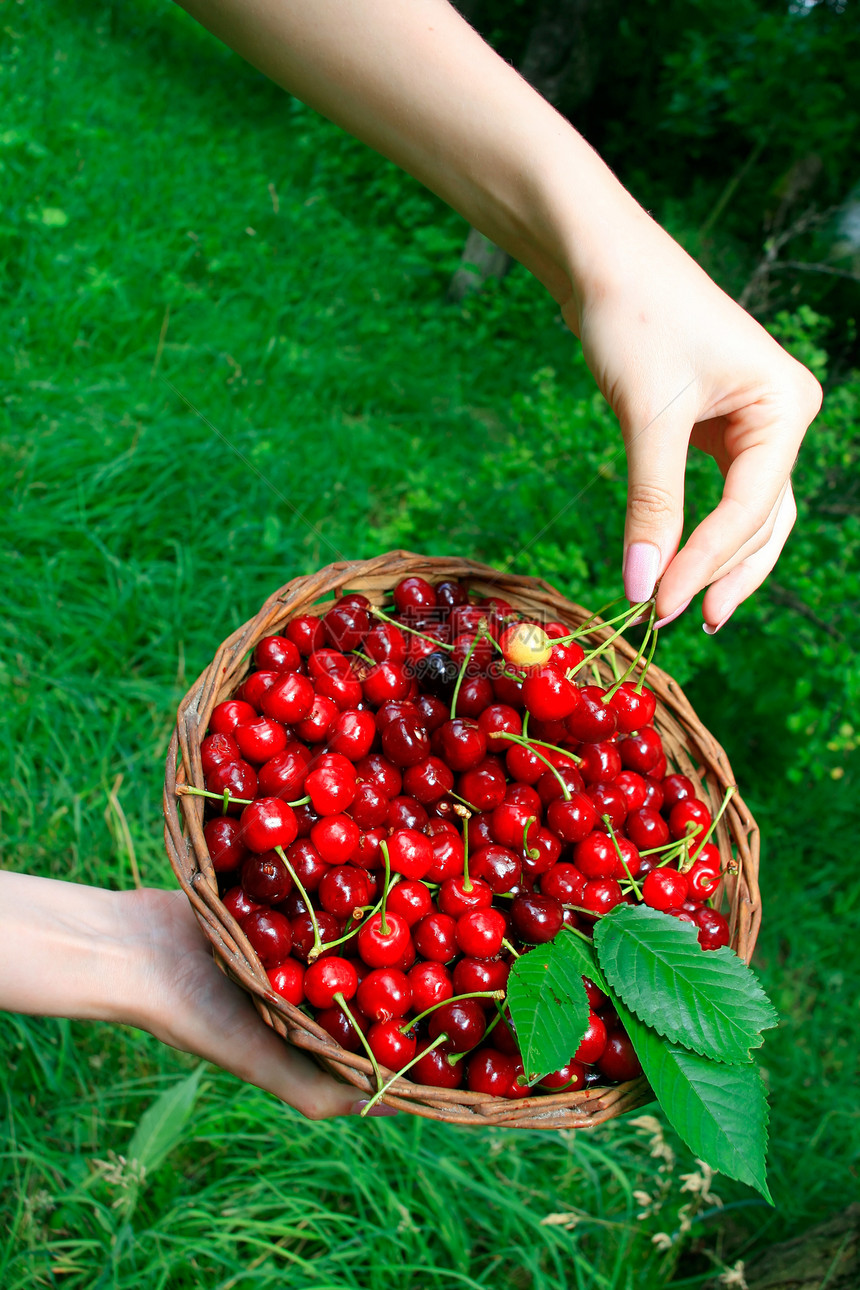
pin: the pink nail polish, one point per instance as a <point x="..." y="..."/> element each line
<point x="379" y="1109"/>
<point x="670" y="618"/>
<point x="641" y="567"/>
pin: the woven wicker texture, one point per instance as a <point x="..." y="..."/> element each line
<point x="688" y="745"/>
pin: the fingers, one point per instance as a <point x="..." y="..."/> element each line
<point x="744" y="521"/>
<point x="656" y="459"/>
<point x="724" y="596"/>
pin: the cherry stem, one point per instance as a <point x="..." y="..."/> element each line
<point x="575" y="932"/>
<point x="606" y="820"/>
<point x="604" y="645"/>
<point x="470" y="805"/>
<point x="730" y="792"/>
<point x="649" y="660"/>
<point x="510" y="948"/>
<point x="529" y="743"/>
<point x="632" y="611"/>
<point x="531" y="852"/>
<point x="317" y="945"/>
<point x="443" y="1038"/>
<point x="474" y="994"/>
<point x="479" y="635"/>
<point x="188" y="790"/>
<point x="378" y="613"/>
<point x="329" y="945"/>
<point x="467" y="881"/>
<point x="341" y="1002"/>
<point x="619" y="680"/>
<point x="383" y="925"/>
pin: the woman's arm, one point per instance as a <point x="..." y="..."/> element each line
<point x="675" y="357"/>
<point x="139" y="958"/>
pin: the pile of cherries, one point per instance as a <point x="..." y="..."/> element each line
<point x="403" y="801"/>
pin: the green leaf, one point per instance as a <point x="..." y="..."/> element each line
<point x="708" y="1001"/>
<point x="160" y="1129"/>
<point x="584" y="953"/>
<point x="549" y="1005"/>
<point x="719" y="1110"/>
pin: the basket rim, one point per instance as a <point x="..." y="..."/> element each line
<point x="193" y="869"/>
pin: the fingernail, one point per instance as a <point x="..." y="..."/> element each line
<point x="712" y="631"/>
<point x="670" y="618"/>
<point x="641" y="567"/>
<point x="379" y="1109"/>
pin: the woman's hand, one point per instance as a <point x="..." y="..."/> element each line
<point x="139" y="958"/>
<point x="676" y="358"/>
<point x="681" y="363"/>
<point x="192" y="1005"/>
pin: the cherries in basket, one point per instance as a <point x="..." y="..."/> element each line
<point x="406" y="799"/>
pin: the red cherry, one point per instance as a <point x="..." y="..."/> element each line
<point x="433" y="1068"/>
<point x="565" y="883"/>
<point x="237" y="903"/>
<point x="665" y="888"/>
<point x="381" y="772"/>
<point x="574" y="820"/>
<point x="410" y="853"/>
<point x="352" y="734"/>
<point x="499" y="867"/>
<point x="307" y="862"/>
<point x="496" y="721"/>
<point x="406" y="813"/>
<point x="713" y="928"/>
<point x="369" y="807"/>
<point x="515" y="1089"/>
<point x="270" y="935"/>
<point x="385" y="643"/>
<point x="268" y="823"/>
<point x="480" y="974"/>
<point x="480" y="932"/>
<point x="544" y="851"/>
<point x="464" y="743"/>
<point x="428" y="780"/>
<point x="599" y="763"/>
<point x="315" y="727"/>
<point x="689" y="817"/>
<point x="332" y="787"/>
<point x="647" y="829"/>
<point x="289" y="698"/>
<point x="462" y="1020"/>
<point x="653" y="794"/>
<point x="414" y="593"/>
<point x="632" y="710"/>
<point x="484" y="785"/>
<point x="277" y="654"/>
<point x="327" y="977"/>
<point x="642" y="751"/>
<point x="343" y="890"/>
<point x="513" y="822"/>
<point x="677" y="788"/>
<point x="335" y="838"/>
<point x="456" y="899"/>
<point x="593" y="1043"/>
<point x="346" y="626"/>
<point x="405" y="742"/>
<point x="610" y="801"/>
<point x="390" y="1046"/>
<point x="284" y="775"/>
<point x="382" y="946"/>
<point x="536" y="918"/>
<point x="237" y="778"/>
<point x="430" y="984"/>
<point x="384" y="682"/>
<point x="303" y="932"/>
<point x="593" y="720"/>
<point x="633" y="787"/>
<point x="434" y="937"/>
<point x="218" y="750"/>
<point x="490" y="1071"/>
<point x="476" y="695"/>
<point x="568" y="1077"/>
<point x="306" y="632"/>
<point x="596" y="857"/>
<point x="703" y="877"/>
<point x="265" y="878"/>
<point x="341" y="1029"/>
<point x="226" y="716"/>
<point x="286" y="980"/>
<point x="600" y="895"/>
<point x="618" y="1061"/>
<point x="224" y="841"/>
<point x="384" y="994"/>
<point x="548" y="695"/>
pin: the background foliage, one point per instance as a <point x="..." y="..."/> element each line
<point x="227" y="358"/>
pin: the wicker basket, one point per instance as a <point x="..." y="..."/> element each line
<point x="688" y="745"/>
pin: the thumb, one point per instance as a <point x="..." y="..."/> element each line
<point x="656" y="459"/>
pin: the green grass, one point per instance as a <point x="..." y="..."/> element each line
<point x="345" y="409"/>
